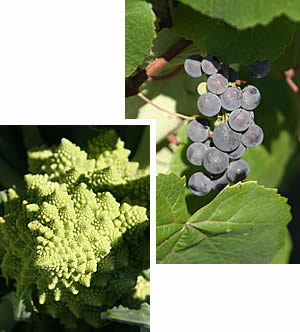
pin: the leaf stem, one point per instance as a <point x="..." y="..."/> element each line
<point x="164" y="110"/>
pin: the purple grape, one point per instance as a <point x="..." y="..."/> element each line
<point x="231" y="99"/>
<point x="219" y="182"/>
<point x="198" y="130"/>
<point x="226" y="139"/>
<point x="195" y="153"/>
<point x="253" y="136"/>
<point x="209" y="104"/>
<point x="251" y="97"/>
<point x="240" y="120"/>
<point x="237" y="171"/>
<point x="215" y="161"/>
<point x="237" y="153"/>
<point x="217" y="84"/>
<point x="192" y="65"/>
<point x="199" y="184"/>
<point x="259" y="69"/>
<point x="210" y="65"/>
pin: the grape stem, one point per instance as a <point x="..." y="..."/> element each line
<point x="164" y="110"/>
<point x="288" y="75"/>
<point x="133" y="83"/>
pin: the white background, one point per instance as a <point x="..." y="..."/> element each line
<point x="62" y="62"/>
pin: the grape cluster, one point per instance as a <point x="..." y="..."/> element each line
<point x="229" y="108"/>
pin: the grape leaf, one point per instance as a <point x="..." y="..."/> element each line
<point x="230" y="44"/>
<point x="274" y="161"/>
<point x="163" y="156"/>
<point x="164" y="40"/>
<point x="279" y="134"/>
<point x="140" y="317"/>
<point x="165" y="123"/>
<point x="244" y="223"/>
<point x="244" y="14"/>
<point x="283" y="254"/>
<point x="291" y="57"/>
<point x="139" y="33"/>
<point x="170" y="204"/>
<point x="163" y="10"/>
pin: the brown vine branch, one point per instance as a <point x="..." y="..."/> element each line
<point x="167" y="76"/>
<point x="133" y="83"/>
<point x="164" y="110"/>
<point x="173" y="139"/>
<point x="288" y="75"/>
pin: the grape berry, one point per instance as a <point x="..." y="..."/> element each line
<point x="230" y="108"/>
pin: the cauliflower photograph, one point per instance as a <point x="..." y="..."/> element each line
<point x="74" y="228"/>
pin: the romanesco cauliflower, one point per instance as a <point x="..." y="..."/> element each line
<point x="78" y="234"/>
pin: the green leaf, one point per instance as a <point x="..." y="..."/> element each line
<point x="179" y="163"/>
<point x="268" y="166"/>
<point x="164" y="10"/>
<point x="244" y="223"/>
<point x="163" y="156"/>
<point x="283" y="254"/>
<point x="232" y="45"/>
<point x="174" y="95"/>
<point x="164" y="40"/>
<point x="268" y="162"/>
<point x="139" y="33"/>
<point x="170" y="199"/>
<point x="140" y="317"/>
<point x="244" y="13"/>
<point x="291" y="56"/>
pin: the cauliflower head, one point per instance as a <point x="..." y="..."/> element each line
<point x="78" y="235"/>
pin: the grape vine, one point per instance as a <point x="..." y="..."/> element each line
<point x="210" y="79"/>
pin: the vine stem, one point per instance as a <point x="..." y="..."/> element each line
<point x="142" y="96"/>
<point x="133" y="83"/>
<point x="173" y="139"/>
<point x="167" y="76"/>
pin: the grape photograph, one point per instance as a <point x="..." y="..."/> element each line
<point x="222" y="80"/>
